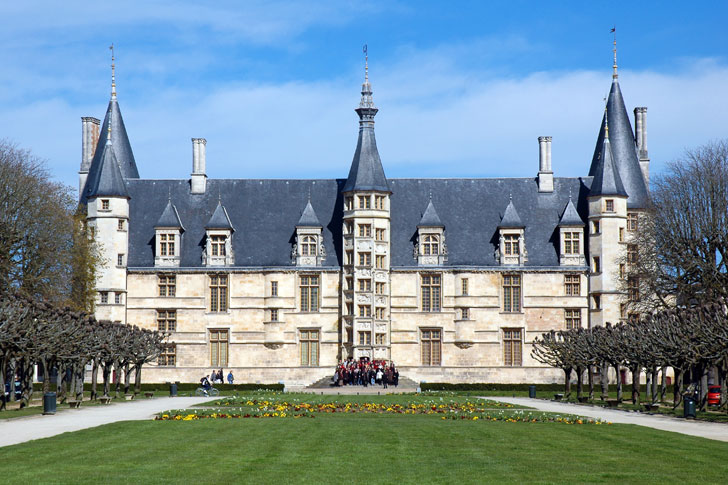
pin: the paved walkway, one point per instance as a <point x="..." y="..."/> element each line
<point x="20" y="430"/>
<point x="713" y="431"/>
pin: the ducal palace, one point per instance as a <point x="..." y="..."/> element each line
<point x="278" y="280"/>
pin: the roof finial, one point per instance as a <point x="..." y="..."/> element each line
<point x="430" y="194"/>
<point x="510" y="196"/>
<point x="606" y="124"/>
<point x="169" y="194"/>
<point x="113" y="77"/>
<point x="615" y="75"/>
<point x="366" y="108"/>
<point x="108" y="128"/>
<point x="309" y="194"/>
<point x="366" y="64"/>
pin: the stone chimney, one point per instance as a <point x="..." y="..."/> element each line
<point x="545" y="174"/>
<point x="89" y="139"/>
<point x="640" y="136"/>
<point x="198" y="183"/>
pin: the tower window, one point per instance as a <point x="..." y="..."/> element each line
<point x="380" y="261"/>
<point x="379" y="234"/>
<point x="365" y="230"/>
<point x="571" y="243"/>
<point x="379" y="202"/>
<point x="274" y="315"/>
<point x="595" y="227"/>
<point x="365" y="202"/>
<point x="464" y="286"/>
<point x="273" y="288"/>
<point x="104" y="204"/>
<point x="120" y="259"/>
<point x="596" y="264"/>
<point x="217" y="244"/>
<point x="609" y="205"/>
<point x="365" y="259"/>
<point x="511" y="244"/>
<point x="121" y="225"/>
<point x="632" y="221"/>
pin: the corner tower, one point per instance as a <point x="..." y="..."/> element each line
<point x="365" y="331"/>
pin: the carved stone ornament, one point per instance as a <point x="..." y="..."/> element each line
<point x="463" y="344"/>
<point x="273" y="345"/>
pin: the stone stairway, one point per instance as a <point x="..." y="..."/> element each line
<point x="327" y="383"/>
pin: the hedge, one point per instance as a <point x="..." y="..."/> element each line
<point x="555" y="387"/>
<point x="181" y="387"/>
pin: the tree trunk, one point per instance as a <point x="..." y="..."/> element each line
<point x="26" y="382"/>
<point x="106" y="374"/>
<point x="704" y="388"/>
<point x="3" y="380"/>
<point x="655" y="371"/>
<point x="127" y="377"/>
<point x="635" y="385"/>
<point x="678" y="387"/>
<point x="663" y="383"/>
<point x="46" y="376"/>
<point x="567" y="382"/>
<point x="619" y="383"/>
<point x="604" y="380"/>
<point x="117" y="379"/>
<point x="94" y="378"/>
<point x="579" y="382"/>
<point x="590" y="370"/>
<point x="648" y="386"/>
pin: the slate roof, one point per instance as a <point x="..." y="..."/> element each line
<point x="107" y="179"/>
<point x="430" y="217"/>
<point x="510" y="216"/>
<point x="607" y="180"/>
<point x="169" y="217"/>
<point x="308" y="217"/>
<point x="121" y="146"/>
<point x="265" y="213"/>
<point x="219" y="218"/>
<point x="624" y="150"/>
<point x="570" y="217"/>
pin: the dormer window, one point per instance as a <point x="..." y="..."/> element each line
<point x="571" y="230"/>
<point x="430" y="248"/>
<point x="431" y="245"/>
<point x="168" y="237"/>
<point x="511" y="245"/>
<point x="217" y="245"/>
<point x="167" y="244"/>
<point x="309" y="247"/>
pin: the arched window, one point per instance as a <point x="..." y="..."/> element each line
<point x="308" y="246"/>
<point x="431" y="245"/>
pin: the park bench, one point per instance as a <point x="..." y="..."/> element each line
<point x="129" y="397"/>
<point x="73" y="403"/>
<point x="558" y="397"/>
<point x="613" y="403"/>
<point x="584" y="399"/>
<point x="149" y="394"/>
<point x="651" y="407"/>
<point x="105" y="399"/>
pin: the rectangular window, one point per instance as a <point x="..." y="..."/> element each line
<point x="120" y="259"/>
<point x="511" y="244"/>
<point x="380" y="262"/>
<point x="512" y="347"/>
<point x="217" y="244"/>
<point x="365" y="259"/>
<point x="430" y="245"/>
<point x="379" y="339"/>
<point x="365" y="338"/>
<point x="595" y="227"/>
<point x="573" y="318"/>
<point x="379" y="288"/>
<point x="308" y="245"/>
<point x="379" y="233"/>
<point x="431" y="342"/>
<point x="596" y="265"/>
<point x="168" y="357"/>
<point x="597" y="302"/>
<point x="379" y="313"/>
<point x="633" y="288"/>
<point x="365" y="311"/>
<point x="350" y="309"/>
<point x="104" y="204"/>
<point x="218" y="293"/>
<point x="219" y="339"/>
<point x="365" y="202"/>
<point x="379" y="202"/>
<point x="632" y="254"/>
<point x="274" y="315"/>
<point x="622" y="270"/>
<point x="167" y="320"/>
<point x="350" y="257"/>
<point x="104" y="297"/>
<point x="365" y="230"/>
<point x="167" y="285"/>
<point x="309" y="347"/>
<point x="309" y="287"/>
<point x="609" y="205"/>
<point x="571" y="243"/>
<point x="632" y="221"/>
<point x="465" y="313"/>
<point x="572" y="284"/>
<point x="430" y="286"/>
<point x="349" y="203"/>
<point x="273" y="288"/>
<point x="121" y="225"/>
<point x="365" y="285"/>
<point x="464" y="286"/>
<point x="349" y="282"/>
<point x="511" y="293"/>
<point x="621" y="234"/>
<point x="166" y="244"/>
<point x="117" y="298"/>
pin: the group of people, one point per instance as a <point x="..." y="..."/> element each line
<point x="365" y="373"/>
<point x="215" y="378"/>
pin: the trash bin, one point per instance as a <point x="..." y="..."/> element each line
<point x="532" y="391"/>
<point x="173" y="389"/>
<point x="688" y="407"/>
<point x="49" y="403"/>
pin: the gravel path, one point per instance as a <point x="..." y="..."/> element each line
<point x="713" y="431"/>
<point x="20" y="430"/>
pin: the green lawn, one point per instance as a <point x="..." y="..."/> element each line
<point x="363" y="447"/>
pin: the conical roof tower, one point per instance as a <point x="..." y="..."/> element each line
<point x="366" y="171"/>
<point x="623" y="146"/>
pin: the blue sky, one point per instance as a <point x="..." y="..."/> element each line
<point x="464" y="88"/>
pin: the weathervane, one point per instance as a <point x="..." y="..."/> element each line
<point x="366" y="63"/>
<point x="113" y="79"/>
<point x="614" y="31"/>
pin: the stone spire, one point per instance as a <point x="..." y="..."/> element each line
<point x="606" y="179"/>
<point x="106" y="180"/>
<point x="366" y="171"/>
<point x="623" y="147"/>
<point x="510" y="218"/>
<point x="219" y="219"/>
<point x="430" y="217"/>
<point x="121" y="146"/>
<point x="308" y="217"/>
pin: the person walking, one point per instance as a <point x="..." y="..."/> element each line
<point x="230" y="378"/>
